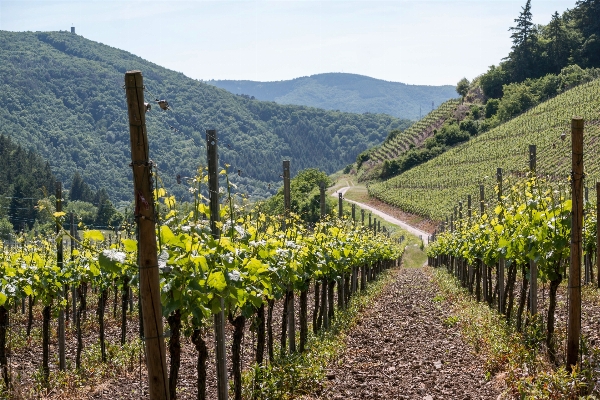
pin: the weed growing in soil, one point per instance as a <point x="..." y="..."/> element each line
<point x="528" y="374"/>
<point x="295" y="375"/>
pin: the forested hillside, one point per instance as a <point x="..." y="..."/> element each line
<point x="25" y="178"/>
<point x="63" y="97"/>
<point x="346" y="92"/>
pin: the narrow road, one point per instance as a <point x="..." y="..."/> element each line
<point x="411" y="229"/>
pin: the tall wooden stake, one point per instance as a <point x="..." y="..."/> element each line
<point x="322" y="199"/>
<point x="62" y="363"/>
<point x="291" y="314"/>
<point x="532" y="158"/>
<point x="144" y="212"/>
<point x="219" y="318"/>
<point x="533" y="270"/>
<point x="353" y="212"/>
<point x="73" y="288"/>
<point x="340" y="206"/>
<point x="501" y="261"/>
<point x="574" y="289"/>
<point x="598" y="232"/>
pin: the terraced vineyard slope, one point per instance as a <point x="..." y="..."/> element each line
<point x="395" y="145"/>
<point x="435" y="187"/>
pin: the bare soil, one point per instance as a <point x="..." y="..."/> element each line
<point x="401" y="349"/>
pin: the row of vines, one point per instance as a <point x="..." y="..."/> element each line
<point x="250" y="266"/>
<point x="525" y="238"/>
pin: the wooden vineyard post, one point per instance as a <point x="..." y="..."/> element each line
<point x="533" y="270"/>
<point x="587" y="265"/>
<point x="452" y="258"/>
<point x="461" y="271"/>
<point x="353" y="213"/>
<point x="532" y="158"/>
<point x="598" y="232"/>
<point x="574" y="288"/>
<point x="323" y="298"/>
<point x="62" y="362"/>
<point x="322" y="199"/>
<point x="501" y="261"/>
<point x="287" y="206"/>
<point x="219" y="318"/>
<point x="73" y="288"/>
<point x="484" y="267"/>
<point x="362" y="217"/>
<point x="340" y="206"/>
<point x="154" y="342"/>
<point x="469" y="209"/>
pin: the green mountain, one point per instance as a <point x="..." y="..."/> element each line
<point x="63" y="97"/>
<point x="346" y="92"/>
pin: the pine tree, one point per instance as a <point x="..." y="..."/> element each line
<point x="522" y="61"/>
<point x="559" y="49"/>
<point x="80" y="190"/>
<point x="524" y="30"/>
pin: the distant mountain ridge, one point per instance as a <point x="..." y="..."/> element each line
<point x="63" y="97"/>
<point x="346" y="92"/>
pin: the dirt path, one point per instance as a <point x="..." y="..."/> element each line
<point x="401" y="349"/>
<point x="411" y="229"/>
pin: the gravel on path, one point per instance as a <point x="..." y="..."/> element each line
<point x="402" y="349"/>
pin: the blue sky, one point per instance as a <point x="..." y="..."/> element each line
<point x="416" y="42"/>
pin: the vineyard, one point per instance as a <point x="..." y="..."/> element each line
<point x="414" y="135"/>
<point x="434" y="188"/>
<point x="251" y="266"/>
<point x="517" y="257"/>
<point x="216" y="259"/>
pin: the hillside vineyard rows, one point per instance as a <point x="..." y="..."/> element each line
<point x="435" y="187"/>
<point x="414" y="134"/>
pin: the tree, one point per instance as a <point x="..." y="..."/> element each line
<point x="107" y="214"/>
<point x="524" y="30"/>
<point x="6" y="229"/>
<point x="84" y="211"/>
<point x="559" y="46"/>
<point x="523" y="55"/>
<point x="462" y="87"/>
<point x="492" y="82"/>
<point x="80" y="190"/>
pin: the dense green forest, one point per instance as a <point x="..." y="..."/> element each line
<point x="25" y="178"/>
<point x="63" y="98"/>
<point x="346" y="92"/>
<point x="28" y="190"/>
<point x="572" y="38"/>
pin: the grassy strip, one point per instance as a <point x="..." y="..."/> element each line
<point x="296" y="375"/>
<point x="517" y="358"/>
